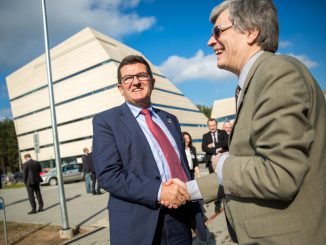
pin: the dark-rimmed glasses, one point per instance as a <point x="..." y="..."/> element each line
<point x="217" y="30"/>
<point x="128" y="79"/>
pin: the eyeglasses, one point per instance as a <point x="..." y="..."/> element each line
<point x="217" y="30"/>
<point x="128" y="79"/>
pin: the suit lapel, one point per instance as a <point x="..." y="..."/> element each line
<point x="168" y="121"/>
<point x="252" y="71"/>
<point x="130" y="122"/>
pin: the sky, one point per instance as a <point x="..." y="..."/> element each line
<point x="172" y="34"/>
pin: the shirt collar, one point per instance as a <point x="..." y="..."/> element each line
<point x="246" y="68"/>
<point x="136" y="110"/>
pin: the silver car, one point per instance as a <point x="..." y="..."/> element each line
<point x="70" y="172"/>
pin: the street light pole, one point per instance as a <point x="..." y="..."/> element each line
<point x="66" y="231"/>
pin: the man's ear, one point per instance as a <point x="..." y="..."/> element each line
<point x="252" y="36"/>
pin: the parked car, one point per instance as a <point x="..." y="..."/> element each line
<point x="70" y="172"/>
<point x="201" y="157"/>
<point x="18" y="177"/>
<point x="4" y="179"/>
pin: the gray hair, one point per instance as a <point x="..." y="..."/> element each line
<point x="248" y="15"/>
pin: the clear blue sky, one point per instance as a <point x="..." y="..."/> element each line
<point x="171" y="34"/>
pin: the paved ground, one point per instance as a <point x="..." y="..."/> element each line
<point x="87" y="211"/>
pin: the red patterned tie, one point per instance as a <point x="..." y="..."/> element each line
<point x="166" y="146"/>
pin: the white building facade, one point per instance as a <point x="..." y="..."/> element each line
<point x="84" y="76"/>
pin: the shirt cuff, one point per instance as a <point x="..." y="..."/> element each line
<point x="219" y="169"/>
<point x="159" y="193"/>
<point x="193" y="190"/>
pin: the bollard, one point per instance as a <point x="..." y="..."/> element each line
<point x="2" y="207"/>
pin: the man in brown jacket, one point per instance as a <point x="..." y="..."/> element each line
<point x="274" y="175"/>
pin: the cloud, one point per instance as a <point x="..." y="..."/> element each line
<point x="305" y="60"/>
<point x="284" y="44"/>
<point x="22" y="24"/>
<point x="179" y="69"/>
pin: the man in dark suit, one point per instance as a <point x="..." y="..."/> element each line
<point x="96" y="190"/>
<point x="274" y="175"/>
<point x="87" y="171"/>
<point x="214" y="141"/>
<point x="32" y="180"/>
<point x="132" y="163"/>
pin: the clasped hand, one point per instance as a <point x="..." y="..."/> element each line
<point x="174" y="193"/>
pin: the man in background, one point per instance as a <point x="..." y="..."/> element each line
<point x="214" y="141"/>
<point x="86" y="170"/>
<point x="32" y="180"/>
<point x="227" y="127"/>
<point x="96" y="190"/>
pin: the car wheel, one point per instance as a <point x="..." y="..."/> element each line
<point x="53" y="181"/>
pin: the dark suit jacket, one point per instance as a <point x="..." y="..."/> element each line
<point x="222" y="142"/>
<point x="31" y="171"/>
<point x="194" y="158"/>
<point x="90" y="162"/>
<point x="125" y="167"/>
<point x="275" y="177"/>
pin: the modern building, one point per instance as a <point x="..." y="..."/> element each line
<point x="223" y="110"/>
<point x="84" y="79"/>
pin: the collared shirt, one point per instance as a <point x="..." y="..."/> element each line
<point x="245" y="70"/>
<point x="192" y="186"/>
<point x="242" y="78"/>
<point x="159" y="157"/>
<point x="216" y="138"/>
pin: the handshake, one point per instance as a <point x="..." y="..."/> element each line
<point x="174" y="193"/>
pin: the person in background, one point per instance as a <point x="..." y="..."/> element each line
<point x="214" y="141"/>
<point x="191" y="155"/>
<point x="86" y="170"/>
<point x="227" y="127"/>
<point x="32" y="180"/>
<point x="274" y="175"/>
<point x="136" y="149"/>
<point x="96" y="189"/>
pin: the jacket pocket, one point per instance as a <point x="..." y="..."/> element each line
<point x="273" y="224"/>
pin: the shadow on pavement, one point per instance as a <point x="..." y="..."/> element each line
<point x="89" y="218"/>
<point x="67" y="200"/>
<point x="16" y="202"/>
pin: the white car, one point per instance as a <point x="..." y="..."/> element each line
<point x="70" y="172"/>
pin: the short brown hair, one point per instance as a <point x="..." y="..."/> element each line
<point x="27" y="155"/>
<point x="134" y="59"/>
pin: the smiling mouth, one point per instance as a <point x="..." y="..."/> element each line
<point x="137" y="89"/>
<point x="218" y="52"/>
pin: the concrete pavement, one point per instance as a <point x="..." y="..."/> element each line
<point x="88" y="212"/>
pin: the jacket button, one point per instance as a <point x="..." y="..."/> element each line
<point x="158" y="177"/>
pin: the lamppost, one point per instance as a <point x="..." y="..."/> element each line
<point x="66" y="231"/>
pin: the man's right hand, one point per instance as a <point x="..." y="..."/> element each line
<point x="174" y="193"/>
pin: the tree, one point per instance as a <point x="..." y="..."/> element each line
<point x="9" y="155"/>
<point x="205" y="109"/>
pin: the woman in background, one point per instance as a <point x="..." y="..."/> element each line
<point x="191" y="155"/>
